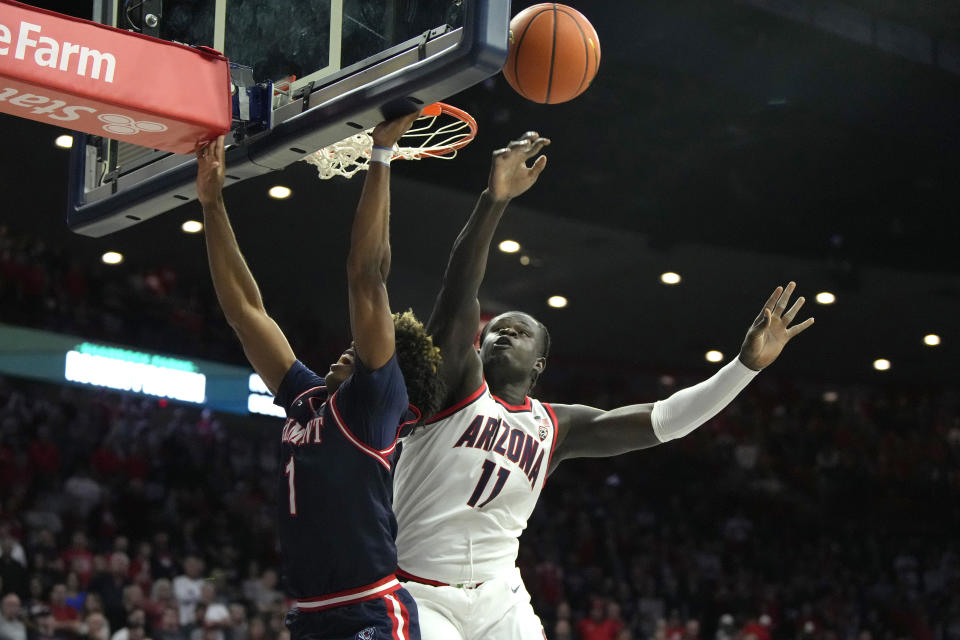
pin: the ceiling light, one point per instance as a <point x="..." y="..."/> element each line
<point x="825" y="297"/>
<point x="931" y="339"/>
<point x="509" y="246"/>
<point x="192" y="226"/>
<point x="670" y="278"/>
<point x="279" y="192"/>
<point x="881" y="364"/>
<point x="525" y="260"/>
<point x="112" y="257"/>
<point x="830" y="396"/>
<point x="714" y="356"/>
<point x="557" y="302"/>
<point x="64" y="141"/>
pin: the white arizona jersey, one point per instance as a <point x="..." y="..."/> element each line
<point x="465" y="485"/>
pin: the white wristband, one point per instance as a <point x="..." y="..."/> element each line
<point x="689" y="408"/>
<point x="382" y="155"/>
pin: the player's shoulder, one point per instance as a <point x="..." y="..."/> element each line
<point x="299" y="384"/>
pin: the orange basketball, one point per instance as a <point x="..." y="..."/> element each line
<point x="554" y="53"/>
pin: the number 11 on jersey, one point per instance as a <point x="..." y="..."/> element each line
<point x="488" y="467"/>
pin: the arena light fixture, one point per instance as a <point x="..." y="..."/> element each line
<point x="279" y="192"/>
<point x="830" y="396"/>
<point x="525" y="261"/>
<point x="931" y="340"/>
<point x="509" y="246"/>
<point x="64" y="142"/>
<point x="557" y="302"/>
<point x="670" y="277"/>
<point x="112" y="257"/>
<point x="192" y="226"/>
<point x="881" y="364"/>
<point x="825" y="297"/>
<point x="714" y="356"/>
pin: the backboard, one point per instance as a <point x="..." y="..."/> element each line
<point x="307" y="73"/>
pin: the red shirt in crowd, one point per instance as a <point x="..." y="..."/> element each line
<point x="590" y="629"/>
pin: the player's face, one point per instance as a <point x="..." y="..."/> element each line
<point x="340" y="370"/>
<point x="512" y="342"/>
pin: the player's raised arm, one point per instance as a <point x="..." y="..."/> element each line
<point x="368" y="262"/>
<point x="456" y="312"/>
<point x="265" y="345"/>
<point x="589" y="432"/>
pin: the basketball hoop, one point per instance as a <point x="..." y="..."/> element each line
<point x="439" y="132"/>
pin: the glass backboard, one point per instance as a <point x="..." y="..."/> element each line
<point x="309" y="73"/>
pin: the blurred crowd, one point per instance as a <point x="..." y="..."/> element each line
<point x="801" y="512"/>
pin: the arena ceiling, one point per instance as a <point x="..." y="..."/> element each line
<point x="740" y="143"/>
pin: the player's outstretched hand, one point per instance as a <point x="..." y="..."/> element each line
<point x="771" y="330"/>
<point x="210" y="172"/>
<point x="509" y="174"/>
<point x="387" y="133"/>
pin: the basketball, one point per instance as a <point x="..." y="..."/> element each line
<point x="554" y="53"/>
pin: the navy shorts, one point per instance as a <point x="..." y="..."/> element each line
<point x="392" y="617"/>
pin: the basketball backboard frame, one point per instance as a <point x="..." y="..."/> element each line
<point x="109" y="192"/>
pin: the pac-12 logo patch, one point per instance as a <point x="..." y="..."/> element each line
<point x="367" y="634"/>
<point x="543" y="433"/>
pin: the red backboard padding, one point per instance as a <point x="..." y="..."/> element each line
<point x="104" y="81"/>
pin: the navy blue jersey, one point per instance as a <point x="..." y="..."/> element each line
<point x="337" y="527"/>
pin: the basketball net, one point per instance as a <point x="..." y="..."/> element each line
<point x="439" y="132"/>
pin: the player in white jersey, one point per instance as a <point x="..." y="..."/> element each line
<point x="468" y="479"/>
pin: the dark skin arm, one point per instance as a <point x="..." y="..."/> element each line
<point x="587" y="432"/>
<point x="368" y="262"/>
<point x="263" y="342"/>
<point x="455" y="317"/>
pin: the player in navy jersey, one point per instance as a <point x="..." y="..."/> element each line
<point x="337" y="527"/>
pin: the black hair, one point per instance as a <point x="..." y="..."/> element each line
<point x="419" y="360"/>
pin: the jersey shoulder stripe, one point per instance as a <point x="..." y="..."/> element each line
<point x="473" y="397"/>
<point x="379" y="456"/>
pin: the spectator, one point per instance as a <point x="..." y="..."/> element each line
<point x="97" y="627"/>
<point x="111" y="586"/>
<point x="161" y="599"/>
<point x="76" y="596"/>
<point x="44" y="625"/>
<point x="135" y="626"/>
<point x="11" y="618"/>
<point x="187" y="589"/>
<point x="598" y="626"/>
<point x="66" y="618"/>
<point x="78" y="559"/>
<point x="216" y="615"/>
<point x="168" y="627"/>
<point x="725" y="628"/>
<point x="13" y="574"/>
<point x="562" y="630"/>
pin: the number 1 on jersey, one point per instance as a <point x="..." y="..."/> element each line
<point x="488" y="467"/>
<point x="289" y="471"/>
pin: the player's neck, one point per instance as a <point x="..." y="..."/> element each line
<point x="511" y="392"/>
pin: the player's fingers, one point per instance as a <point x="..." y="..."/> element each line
<point x="537" y="146"/>
<point x="539" y="165"/>
<point x="772" y="300"/>
<point x="220" y="148"/>
<point x="789" y="315"/>
<point x="794" y="330"/>
<point x="785" y="298"/>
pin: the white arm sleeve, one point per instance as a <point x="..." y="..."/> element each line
<point x="689" y="408"/>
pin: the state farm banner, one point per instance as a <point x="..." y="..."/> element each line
<point x="108" y="82"/>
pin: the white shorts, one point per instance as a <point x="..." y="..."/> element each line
<point x="498" y="609"/>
